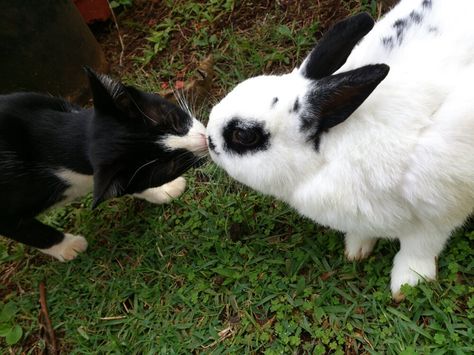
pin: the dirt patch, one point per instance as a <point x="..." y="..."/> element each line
<point x="136" y="21"/>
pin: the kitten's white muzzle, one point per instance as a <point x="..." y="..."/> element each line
<point x="195" y="140"/>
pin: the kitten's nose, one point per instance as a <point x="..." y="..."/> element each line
<point x="204" y="140"/>
<point x="202" y="149"/>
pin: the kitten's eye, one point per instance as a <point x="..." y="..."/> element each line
<point x="245" y="137"/>
<point x="177" y="123"/>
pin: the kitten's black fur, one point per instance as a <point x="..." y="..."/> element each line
<point x="116" y="142"/>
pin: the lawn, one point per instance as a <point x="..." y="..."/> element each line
<point x="224" y="269"/>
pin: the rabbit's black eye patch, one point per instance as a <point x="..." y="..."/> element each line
<point x="243" y="136"/>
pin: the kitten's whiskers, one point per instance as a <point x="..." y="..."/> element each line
<point x="136" y="171"/>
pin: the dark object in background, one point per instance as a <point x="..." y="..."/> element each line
<point x="93" y="10"/>
<point x="388" y="4"/>
<point x="44" y="45"/>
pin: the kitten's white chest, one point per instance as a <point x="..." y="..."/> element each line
<point x="79" y="184"/>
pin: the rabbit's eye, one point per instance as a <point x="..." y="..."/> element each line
<point x="245" y="137"/>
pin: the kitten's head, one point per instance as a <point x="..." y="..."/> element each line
<point x="139" y="140"/>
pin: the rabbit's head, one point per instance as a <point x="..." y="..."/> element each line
<point x="268" y="131"/>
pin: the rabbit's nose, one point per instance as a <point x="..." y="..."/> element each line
<point x="211" y="144"/>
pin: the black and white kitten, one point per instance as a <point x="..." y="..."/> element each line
<point x="51" y="152"/>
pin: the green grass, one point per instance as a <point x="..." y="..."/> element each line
<point x="224" y="269"/>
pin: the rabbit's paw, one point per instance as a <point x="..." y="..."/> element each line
<point x="164" y="193"/>
<point x="358" y="248"/>
<point x="410" y="270"/>
<point x="68" y="249"/>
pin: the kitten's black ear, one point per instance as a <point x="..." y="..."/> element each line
<point x="334" y="47"/>
<point x="120" y="101"/>
<point x="107" y="184"/>
<point x="336" y="97"/>
<point x="105" y="91"/>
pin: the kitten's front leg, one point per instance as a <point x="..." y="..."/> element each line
<point x="68" y="249"/>
<point x="48" y="240"/>
<point x="164" y="193"/>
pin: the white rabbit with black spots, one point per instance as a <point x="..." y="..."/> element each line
<point x="373" y="135"/>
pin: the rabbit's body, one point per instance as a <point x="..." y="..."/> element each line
<point x="395" y="162"/>
<point x="380" y="180"/>
<point x="411" y="144"/>
<point x="420" y="39"/>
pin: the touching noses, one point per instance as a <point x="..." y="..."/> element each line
<point x="211" y="144"/>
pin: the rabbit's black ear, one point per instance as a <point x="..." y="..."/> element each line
<point x="334" y="98"/>
<point x="334" y="47"/>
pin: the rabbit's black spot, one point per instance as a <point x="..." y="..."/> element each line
<point x="433" y="29"/>
<point x="400" y="26"/>
<point x="400" y="23"/>
<point x="388" y="42"/>
<point x="416" y="17"/>
<point x="274" y="101"/>
<point x="296" y="106"/>
<point x="427" y="4"/>
<point x="243" y="136"/>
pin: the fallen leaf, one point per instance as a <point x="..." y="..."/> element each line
<point x="179" y="84"/>
<point x="325" y="276"/>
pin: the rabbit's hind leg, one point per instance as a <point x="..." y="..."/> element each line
<point x="417" y="259"/>
<point x="358" y="247"/>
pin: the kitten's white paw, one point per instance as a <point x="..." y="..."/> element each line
<point x="175" y="188"/>
<point x="358" y="248"/>
<point x="68" y="249"/>
<point x="411" y="271"/>
<point x="164" y="193"/>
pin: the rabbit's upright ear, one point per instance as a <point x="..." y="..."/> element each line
<point x="334" y="98"/>
<point x="334" y="47"/>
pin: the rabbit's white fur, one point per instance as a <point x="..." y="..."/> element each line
<point x="401" y="166"/>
